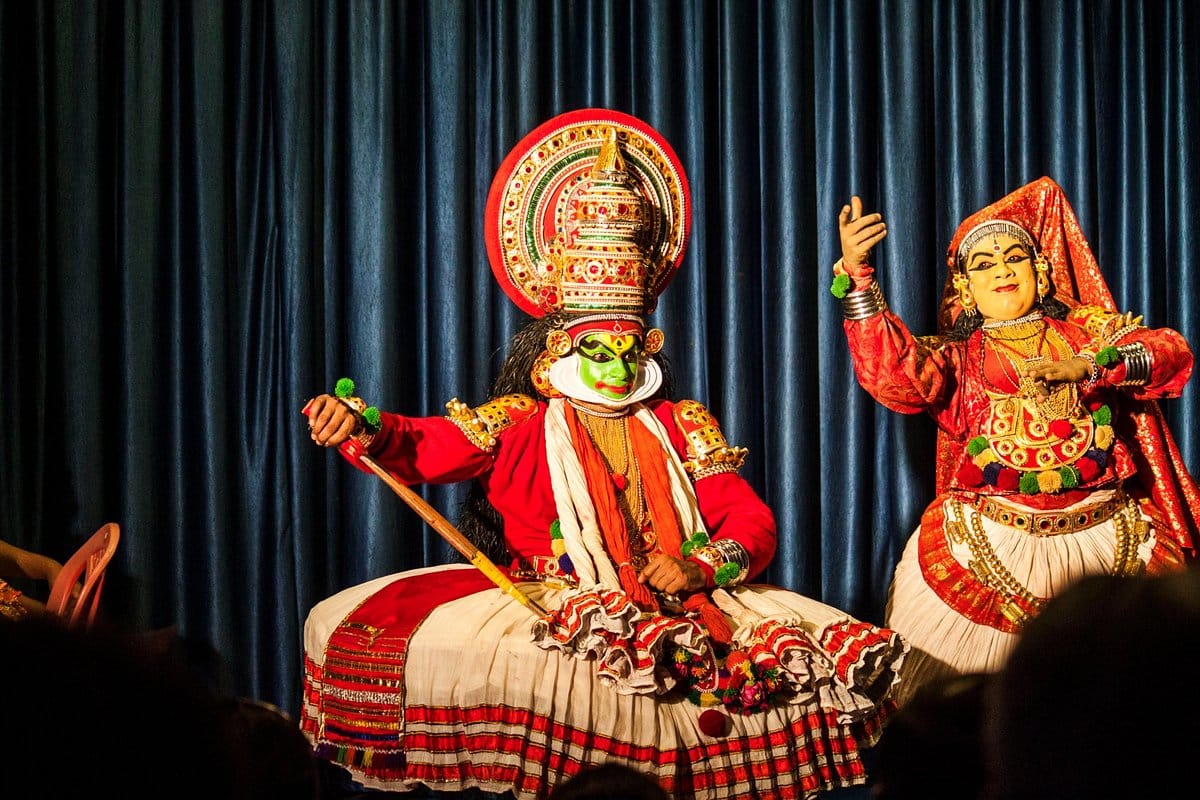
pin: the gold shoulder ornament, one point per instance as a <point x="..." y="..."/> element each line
<point x="483" y="424"/>
<point x="707" y="451"/>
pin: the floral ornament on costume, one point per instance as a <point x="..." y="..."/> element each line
<point x="986" y="467"/>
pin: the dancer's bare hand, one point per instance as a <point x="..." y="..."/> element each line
<point x="672" y="575"/>
<point x="859" y="234"/>
<point x="330" y="421"/>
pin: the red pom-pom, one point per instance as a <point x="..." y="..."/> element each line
<point x="619" y="481"/>
<point x="1088" y="469"/>
<point x="1008" y="479"/>
<point x="714" y="723"/>
<point x="1094" y="404"/>
<point x="1062" y="428"/>
<point x="970" y="475"/>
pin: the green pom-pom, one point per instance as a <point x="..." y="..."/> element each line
<point x="686" y="548"/>
<point x="344" y="387"/>
<point x="556" y="530"/>
<point x="371" y="417"/>
<point x="726" y="573"/>
<point x="977" y="445"/>
<point x="1070" y="477"/>
<point x="1102" y="415"/>
<point x="699" y="539"/>
<point x="841" y="286"/>
<point x="1107" y="356"/>
<point x="1029" y="483"/>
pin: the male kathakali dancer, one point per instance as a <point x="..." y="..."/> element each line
<point x="624" y="516"/>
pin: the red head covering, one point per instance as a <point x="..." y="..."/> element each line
<point x="1042" y="210"/>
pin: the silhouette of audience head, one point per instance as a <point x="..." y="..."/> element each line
<point x="94" y="713"/>
<point x="610" y="782"/>
<point x="1099" y="691"/>
<point x="933" y="746"/>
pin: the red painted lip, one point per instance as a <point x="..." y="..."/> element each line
<point x="616" y="389"/>
<point x="1008" y="287"/>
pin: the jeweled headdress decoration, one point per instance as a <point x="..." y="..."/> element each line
<point x="992" y="228"/>
<point x="589" y="213"/>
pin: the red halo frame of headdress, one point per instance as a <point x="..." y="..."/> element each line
<point x="674" y="226"/>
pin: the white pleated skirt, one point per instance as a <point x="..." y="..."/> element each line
<point x="486" y="707"/>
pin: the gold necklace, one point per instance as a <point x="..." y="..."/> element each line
<point x="611" y="437"/>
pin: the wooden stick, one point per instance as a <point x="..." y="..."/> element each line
<point x="452" y="535"/>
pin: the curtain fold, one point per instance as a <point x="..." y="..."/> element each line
<point x="213" y="211"/>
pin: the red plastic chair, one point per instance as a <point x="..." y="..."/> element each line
<point x="84" y="569"/>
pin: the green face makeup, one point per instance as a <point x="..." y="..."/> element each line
<point x="608" y="364"/>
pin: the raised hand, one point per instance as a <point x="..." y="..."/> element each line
<point x="859" y="234"/>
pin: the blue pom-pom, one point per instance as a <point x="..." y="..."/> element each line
<point x="566" y="565"/>
<point x="991" y="473"/>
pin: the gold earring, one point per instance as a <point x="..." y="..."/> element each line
<point x="962" y="285"/>
<point x="558" y="342"/>
<point x="1042" y="267"/>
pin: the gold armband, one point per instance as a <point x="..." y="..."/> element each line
<point x="484" y="423"/>
<point x="708" y="452"/>
<point x="1107" y="326"/>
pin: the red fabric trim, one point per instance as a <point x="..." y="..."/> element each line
<point x="816" y="741"/>
<point x="365" y="657"/>
<point x="956" y="585"/>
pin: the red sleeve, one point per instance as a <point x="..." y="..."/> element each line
<point x="421" y="450"/>
<point x="733" y="510"/>
<point x="896" y="369"/>
<point x="1170" y="364"/>
<point x="730" y="508"/>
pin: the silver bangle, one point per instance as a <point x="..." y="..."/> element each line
<point x="864" y="304"/>
<point x="1137" y="362"/>
<point x="734" y="553"/>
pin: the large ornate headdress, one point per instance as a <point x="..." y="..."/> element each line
<point x="588" y="215"/>
<point x="1041" y="214"/>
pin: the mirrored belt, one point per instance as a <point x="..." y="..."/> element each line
<point x="1049" y="523"/>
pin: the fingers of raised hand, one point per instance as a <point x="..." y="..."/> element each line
<point x="870" y="236"/>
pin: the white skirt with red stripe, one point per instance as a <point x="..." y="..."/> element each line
<point x="431" y="677"/>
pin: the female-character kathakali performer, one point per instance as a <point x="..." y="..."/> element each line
<point x="1053" y="460"/>
<point x="624" y="516"/>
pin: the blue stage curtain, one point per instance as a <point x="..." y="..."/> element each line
<point x="212" y="211"/>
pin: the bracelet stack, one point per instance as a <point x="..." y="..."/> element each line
<point x="729" y="561"/>
<point x="864" y="303"/>
<point x="1137" y="364"/>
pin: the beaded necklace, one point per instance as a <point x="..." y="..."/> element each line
<point x="1020" y="344"/>
<point x="610" y="434"/>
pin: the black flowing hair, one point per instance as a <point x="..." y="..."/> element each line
<point x="478" y="519"/>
